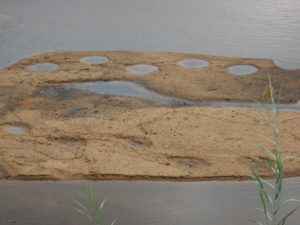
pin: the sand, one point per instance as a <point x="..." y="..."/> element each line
<point x="82" y="135"/>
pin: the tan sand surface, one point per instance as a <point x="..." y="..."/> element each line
<point x="90" y="136"/>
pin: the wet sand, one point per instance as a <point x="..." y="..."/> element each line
<point x="81" y="135"/>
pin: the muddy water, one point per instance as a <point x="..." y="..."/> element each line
<point x="137" y="202"/>
<point x="266" y="29"/>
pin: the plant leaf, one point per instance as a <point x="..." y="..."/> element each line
<point x="266" y="150"/>
<point x="282" y="222"/>
<point x="255" y="221"/>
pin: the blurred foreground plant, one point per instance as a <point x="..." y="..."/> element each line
<point x="92" y="206"/>
<point x="270" y="192"/>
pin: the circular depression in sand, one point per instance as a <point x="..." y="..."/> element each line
<point x="193" y="63"/>
<point x="94" y="59"/>
<point x="43" y="67"/>
<point x="142" y="69"/>
<point x="242" y="69"/>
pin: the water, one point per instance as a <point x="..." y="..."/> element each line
<point x="141" y="69"/>
<point x="137" y="144"/>
<point x="242" y="69"/>
<point x="120" y="88"/>
<point x="193" y="63"/>
<point x="43" y="67"/>
<point x="126" y="88"/>
<point x="264" y="29"/>
<point x="94" y="59"/>
<point x="138" y="202"/>
<point x="15" y="129"/>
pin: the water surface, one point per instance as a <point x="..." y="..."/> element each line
<point x="242" y="69"/>
<point x="193" y="63"/>
<point x="43" y="67"/>
<point x="121" y="88"/>
<point x="141" y="69"/>
<point x="126" y="88"/>
<point x="15" y="129"/>
<point x="138" y="202"/>
<point x="94" y="59"/>
<point x="264" y="29"/>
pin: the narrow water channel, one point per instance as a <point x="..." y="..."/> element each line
<point x="126" y="88"/>
<point x="138" y="202"/>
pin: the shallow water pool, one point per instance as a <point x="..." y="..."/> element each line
<point x="126" y="88"/>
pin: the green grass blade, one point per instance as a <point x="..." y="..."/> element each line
<point x="266" y="139"/>
<point x="282" y="222"/>
<point x="255" y="221"/>
<point x="290" y="158"/>
<point x="262" y="106"/>
<point x="290" y="200"/>
<point x="266" y="151"/>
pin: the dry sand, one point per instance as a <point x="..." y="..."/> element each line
<point x="89" y="136"/>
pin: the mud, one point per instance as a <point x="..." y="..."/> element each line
<point x="73" y="134"/>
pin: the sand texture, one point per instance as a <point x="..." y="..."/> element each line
<point x="80" y="135"/>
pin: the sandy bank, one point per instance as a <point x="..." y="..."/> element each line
<point x="80" y="135"/>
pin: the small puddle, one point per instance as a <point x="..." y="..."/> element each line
<point x="15" y="129"/>
<point x="141" y="69"/>
<point x="137" y="144"/>
<point x="287" y="64"/>
<point x="94" y="59"/>
<point x="193" y="63"/>
<point x="43" y="67"/>
<point x="140" y="202"/>
<point x="242" y="69"/>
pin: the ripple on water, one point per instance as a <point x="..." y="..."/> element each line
<point x="142" y="69"/>
<point x="94" y="59"/>
<point x="193" y="63"/>
<point x="242" y="69"/>
<point x="43" y="67"/>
